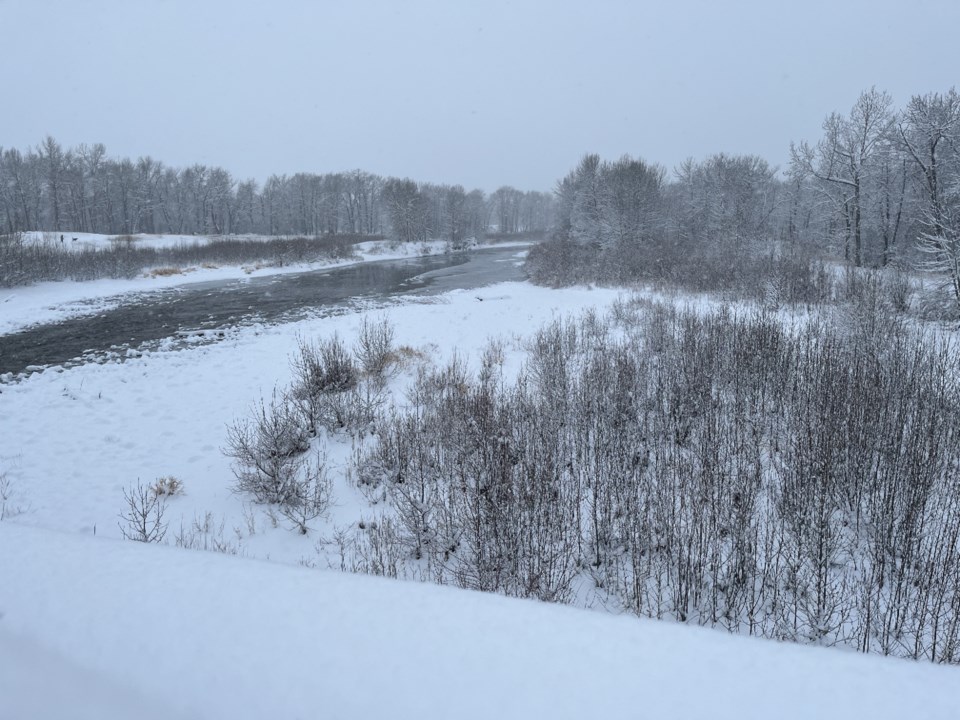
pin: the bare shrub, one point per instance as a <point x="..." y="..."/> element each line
<point x="7" y="508"/>
<point x="312" y="495"/>
<point x="268" y="450"/>
<point x="205" y="533"/>
<point x="377" y="548"/>
<point x="143" y="518"/>
<point x="374" y="347"/>
<point x="322" y="370"/>
<point x="899" y="290"/>
<point x="325" y="366"/>
<point x="875" y="303"/>
<point x="491" y="360"/>
<point x="23" y="262"/>
<point x="714" y="468"/>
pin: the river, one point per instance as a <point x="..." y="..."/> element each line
<point x="204" y="311"/>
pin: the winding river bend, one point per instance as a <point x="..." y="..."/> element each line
<point x="211" y="308"/>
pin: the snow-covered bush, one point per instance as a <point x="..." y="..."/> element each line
<point x="322" y="371"/>
<point x="312" y="495"/>
<point x="268" y="449"/>
<point x="716" y="468"/>
<point x="374" y="348"/>
<point x="329" y="388"/>
<point x="272" y="462"/>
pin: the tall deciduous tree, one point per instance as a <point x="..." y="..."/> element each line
<point x="407" y="210"/>
<point x="930" y="133"/>
<point x="845" y="157"/>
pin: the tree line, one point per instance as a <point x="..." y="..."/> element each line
<point x="82" y="189"/>
<point x="880" y="187"/>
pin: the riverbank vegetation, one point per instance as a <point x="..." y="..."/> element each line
<point x="24" y="261"/>
<point x="778" y="459"/>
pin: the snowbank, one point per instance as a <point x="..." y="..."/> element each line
<point x="213" y="636"/>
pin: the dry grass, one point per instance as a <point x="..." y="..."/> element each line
<point x="405" y="357"/>
<point x="167" y="487"/>
<point x="165" y="272"/>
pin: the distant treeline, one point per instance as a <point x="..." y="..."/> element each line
<point x="82" y="189"/>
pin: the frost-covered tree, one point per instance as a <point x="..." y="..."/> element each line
<point x="727" y="198"/>
<point x="589" y="215"/>
<point x="407" y="210"/>
<point x="844" y="160"/>
<point x="929" y="130"/>
<point x="506" y="208"/>
<point x="455" y="214"/>
<point x="634" y="198"/>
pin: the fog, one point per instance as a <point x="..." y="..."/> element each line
<point x="482" y="94"/>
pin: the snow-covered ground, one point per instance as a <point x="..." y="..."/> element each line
<point x="92" y="624"/>
<point x="77" y="241"/>
<point x="101" y="628"/>
<point x="73" y="440"/>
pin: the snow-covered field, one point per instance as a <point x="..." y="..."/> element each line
<point x="93" y="626"/>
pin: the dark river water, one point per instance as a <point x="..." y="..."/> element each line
<point x="206" y="310"/>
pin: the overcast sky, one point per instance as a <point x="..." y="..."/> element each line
<point x="478" y="93"/>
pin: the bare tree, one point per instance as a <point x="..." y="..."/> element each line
<point x="143" y="518"/>
<point x="844" y="158"/>
<point x="930" y="132"/>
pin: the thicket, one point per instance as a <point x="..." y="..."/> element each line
<point x="336" y="389"/>
<point x="799" y="483"/>
<point x="23" y="262"/>
<point x="773" y="275"/>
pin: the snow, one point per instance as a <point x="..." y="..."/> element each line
<point x="93" y="626"/>
<point x="84" y="434"/>
<point x="213" y="636"/>
<point x="77" y="241"/>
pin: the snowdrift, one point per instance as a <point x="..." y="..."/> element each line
<point x="94" y="627"/>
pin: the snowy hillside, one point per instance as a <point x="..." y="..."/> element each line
<point x="212" y="636"/>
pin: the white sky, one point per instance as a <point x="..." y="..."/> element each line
<point x="481" y="94"/>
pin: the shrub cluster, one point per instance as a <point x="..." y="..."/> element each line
<point x="720" y="469"/>
<point x="23" y="262"/>
<point x="788" y="275"/>
<point x="333" y="388"/>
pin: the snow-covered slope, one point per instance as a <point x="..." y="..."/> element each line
<point x="210" y="636"/>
